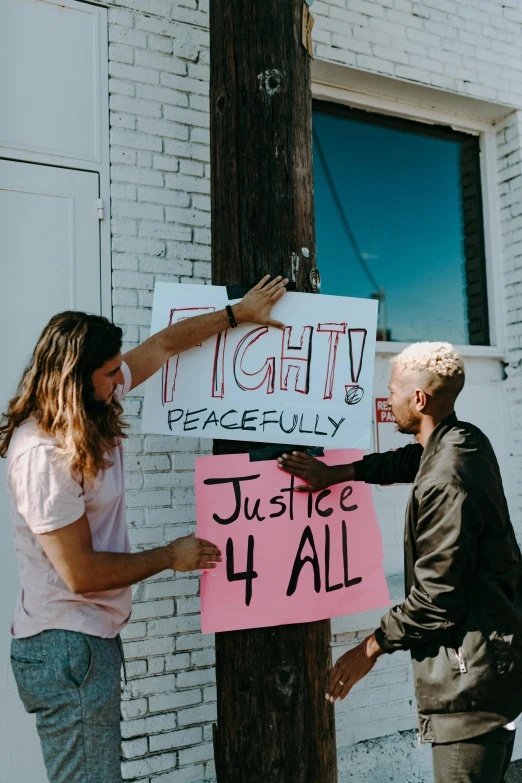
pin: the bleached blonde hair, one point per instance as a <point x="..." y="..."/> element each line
<point x="440" y="365"/>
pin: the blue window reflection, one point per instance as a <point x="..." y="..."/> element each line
<point x="399" y="218"/>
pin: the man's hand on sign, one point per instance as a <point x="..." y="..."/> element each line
<point x="190" y="553"/>
<point x="317" y="475"/>
<point x="256" y="305"/>
<point x="352" y="667"/>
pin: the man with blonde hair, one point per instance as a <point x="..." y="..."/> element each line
<point x="461" y="618"/>
<point x="62" y="435"/>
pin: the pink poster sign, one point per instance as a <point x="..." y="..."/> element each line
<point x="288" y="557"/>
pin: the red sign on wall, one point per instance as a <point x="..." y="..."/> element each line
<point x="387" y="437"/>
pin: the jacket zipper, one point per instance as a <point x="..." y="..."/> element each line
<point x="462" y="663"/>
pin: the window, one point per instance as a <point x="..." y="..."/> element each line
<point x="399" y="218"/>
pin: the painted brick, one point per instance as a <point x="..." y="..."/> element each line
<point x="135" y="668"/>
<point x="155" y="665"/>
<point x="199" y="753"/>
<point x="194" y="641"/>
<point x="133" y="73"/>
<point x="147" y="686"/>
<point x="148" y="462"/>
<point x="163" y="196"/>
<point x="134" y="631"/>
<point x="134" y="748"/>
<point x="148" y="647"/>
<point x="196" y="715"/>
<point x="203" y="657"/>
<point x="174" y="700"/>
<point x="162" y="128"/>
<point x="129" y="173"/>
<point x="150" y="609"/>
<point x="163" y="95"/>
<point x="174" y="625"/>
<point x="173" y="588"/>
<point x="164" y="231"/>
<point x="131" y="709"/>
<point x="176" y="739"/>
<point x="185" y="775"/>
<point x="144" y="499"/>
<point x="140" y="141"/>
<point x="187" y="150"/>
<point x="159" y="763"/>
<point x="178" y="662"/>
<point x="194" y="678"/>
<point x="161" y="63"/>
<point x="187" y="605"/>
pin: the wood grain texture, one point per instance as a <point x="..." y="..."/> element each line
<point x="274" y="724"/>
<point x="261" y="137"/>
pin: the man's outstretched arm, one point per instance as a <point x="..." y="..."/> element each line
<point x="85" y="570"/>
<point x="255" y="307"/>
<point x="392" y="467"/>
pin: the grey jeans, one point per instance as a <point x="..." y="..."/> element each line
<point x="483" y="759"/>
<point x="72" y="682"/>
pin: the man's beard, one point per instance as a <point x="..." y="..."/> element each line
<point x="97" y="410"/>
<point x="408" y="424"/>
<point x="406" y="429"/>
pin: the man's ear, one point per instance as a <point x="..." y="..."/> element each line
<point x="421" y="400"/>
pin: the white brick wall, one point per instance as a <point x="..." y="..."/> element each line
<point x="160" y="210"/>
<point x="159" y="72"/>
<point x="470" y="47"/>
<point x="383" y="703"/>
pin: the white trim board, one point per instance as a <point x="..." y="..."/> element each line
<point x="387" y="95"/>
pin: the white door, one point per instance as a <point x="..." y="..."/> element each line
<point x="53" y="80"/>
<point x="49" y="262"/>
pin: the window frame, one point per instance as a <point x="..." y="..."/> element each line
<point x="486" y="133"/>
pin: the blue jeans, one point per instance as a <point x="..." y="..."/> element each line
<point x="72" y="682"/>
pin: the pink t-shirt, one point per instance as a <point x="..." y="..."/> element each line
<point x="44" y="497"/>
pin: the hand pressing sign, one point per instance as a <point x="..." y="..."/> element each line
<point x="318" y="475"/>
<point x="190" y="553"/>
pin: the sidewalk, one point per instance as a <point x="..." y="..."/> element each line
<point x="514" y="774"/>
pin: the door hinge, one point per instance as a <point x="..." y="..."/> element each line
<point x="99" y="206"/>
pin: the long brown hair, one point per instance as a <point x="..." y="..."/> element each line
<point x="56" y="389"/>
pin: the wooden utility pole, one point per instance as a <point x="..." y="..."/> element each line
<point x="274" y="724"/>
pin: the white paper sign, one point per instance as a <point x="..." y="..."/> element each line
<point x="310" y="384"/>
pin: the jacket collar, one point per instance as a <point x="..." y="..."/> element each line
<point x="438" y="433"/>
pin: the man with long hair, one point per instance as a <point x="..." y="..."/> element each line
<point x="462" y="617"/>
<point x="62" y="436"/>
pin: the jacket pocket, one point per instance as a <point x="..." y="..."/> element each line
<point x="507" y="652"/>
